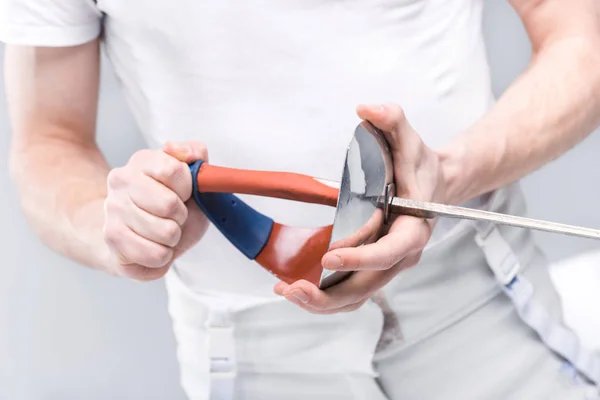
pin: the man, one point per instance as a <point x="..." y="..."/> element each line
<point x="433" y="312"/>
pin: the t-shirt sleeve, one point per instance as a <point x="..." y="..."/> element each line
<point x="53" y="23"/>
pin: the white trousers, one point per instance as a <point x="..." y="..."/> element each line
<point x="445" y="329"/>
<point x="279" y="350"/>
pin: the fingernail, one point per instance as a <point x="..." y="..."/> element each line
<point x="333" y="262"/>
<point x="300" y="295"/>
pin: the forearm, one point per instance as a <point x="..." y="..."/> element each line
<point x="553" y="105"/>
<point x="58" y="170"/>
<point x="62" y="187"/>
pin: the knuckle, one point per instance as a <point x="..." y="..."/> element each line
<point x="397" y="111"/>
<point x="160" y="256"/>
<point x="172" y="232"/>
<point x="113" y="234"/>
<point x="203" y="152"/>
<point x="400" y="114"/>
<point x="169" y="168"/>
<point x="198" y="150"/>
<point x="170" y="205"/>
<point x="184" y="214"/>
<point x="389" y="261"/>
<point x="116" y="178"/>
<point x="412" y="260"/>
<point x="359" y="262"/>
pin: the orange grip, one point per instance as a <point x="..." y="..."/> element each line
<point x="281" y="185"/>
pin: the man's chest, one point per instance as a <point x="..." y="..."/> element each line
<point x="304" y="35"/>
<point x="268" y="21"/>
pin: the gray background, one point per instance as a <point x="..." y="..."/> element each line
<point x="67" y="332"/>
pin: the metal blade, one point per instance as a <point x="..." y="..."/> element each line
<point x="422" y="209"/>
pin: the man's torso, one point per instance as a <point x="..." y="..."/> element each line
<point x="273" y="85"/>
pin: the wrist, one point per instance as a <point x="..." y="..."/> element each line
<point x="456" y="173"/>
<point x="89" y="222"/>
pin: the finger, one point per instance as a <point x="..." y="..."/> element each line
<point x="307" y="294"/>
<point x="396" y="129"/>
<point x="365" y="234"/>
<point x="130" y="248"/>
<point x="296" y="292"/>
<point x="312" y="310"/>
<point x="194" y="228"/>
<point x="298" y="298"/>
<point x="345" y="295"/>
<point x="158" y="200"/>
<point x="187" y="152"/>
<point x="353" y="290"/>
<point x="387" y="117"/>
<point x="406" y="236"/>
<point x="281" y="287"/>
<point x="345" y="309"/>
<point x="358" y="288"/>
<point x="159" y="230"/>
<point x="165" y="169"/>
<point x="143" y="274"/>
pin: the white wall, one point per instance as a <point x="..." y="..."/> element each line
<point x="70" y="333"/>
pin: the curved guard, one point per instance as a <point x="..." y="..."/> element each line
<point x="242" y="225"/>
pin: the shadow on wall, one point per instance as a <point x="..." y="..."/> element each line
<point x="77" y="334"/>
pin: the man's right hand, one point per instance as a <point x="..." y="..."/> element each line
<point x="150" y="218"/>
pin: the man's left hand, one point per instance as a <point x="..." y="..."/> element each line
<point x="418" y="175"/>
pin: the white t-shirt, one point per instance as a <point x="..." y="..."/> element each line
<point x="273" y="85"/>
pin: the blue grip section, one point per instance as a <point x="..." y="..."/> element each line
<point x="242" y="225"/>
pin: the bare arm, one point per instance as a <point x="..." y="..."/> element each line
<point x="131" y="221"/>
<point x="57" y="167"/>
<point x="550" y="108"/>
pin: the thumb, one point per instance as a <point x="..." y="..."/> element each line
<point x="186" y="152"/>
<point x="192" y="230"/>
<point x="389" y="118"/>
<point x="386" y="117"/>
